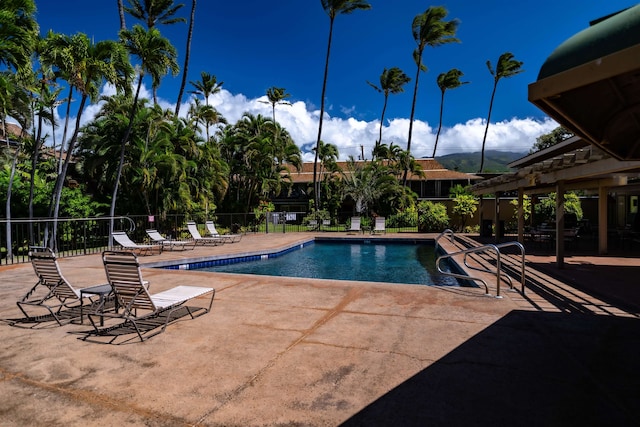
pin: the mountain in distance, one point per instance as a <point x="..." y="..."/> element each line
<point x="494" y="161"/>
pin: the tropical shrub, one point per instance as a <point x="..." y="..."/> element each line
<point x="465" y="205"/>
<point x="432" y="217"/>
<point x="546" y="209"/>
<point x="406" y="218"/>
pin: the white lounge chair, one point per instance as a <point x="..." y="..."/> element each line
<point x="380" y="225"/>
<point x="126" y="243"/>
<point x="312" y="225"/>
<point x="148" y="314"/>
<point x="195" y="234"/>
<point x="52" y="292"/>
<point x="169" y="243"/>
<point x="228" y="238"/>
<point x="355" y="225"/>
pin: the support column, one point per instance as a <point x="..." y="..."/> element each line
<point x="521" y="215"/>
<point x="560" y="224"/>
<point x="603" y="194"/>
<point x="496" y="217"/>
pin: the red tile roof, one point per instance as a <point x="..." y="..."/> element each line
<point x="432" y="169"/>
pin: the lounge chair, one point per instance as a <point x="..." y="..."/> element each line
<point x="149" y="314"/>
<point x="195" y="234"/>
<point x="380" y="226"/>
<point x="355" y="225"/>
<point x="169" y="243"/>
<point x="53" y="291"/>
<point x="228" y="238"/>
<point x="127" y="244"/>
<point x="312" y="225"/>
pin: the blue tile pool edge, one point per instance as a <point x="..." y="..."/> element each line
<point x="217" y="260"/>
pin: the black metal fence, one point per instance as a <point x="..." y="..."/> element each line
<point x="82" y="236"/>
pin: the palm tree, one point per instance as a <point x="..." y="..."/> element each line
<point x="206" y="86"/>
<point x="18" y="33"/>
<point x="328" y="158"/>
<point x="391" y="82"/>
<point x="85" y="65"/>
<point x="157" y="57"/>
<point x="185" y="68"/>
<point x="448" y="80"/>
<point x="506" y="67"/>
<point x="333" y="8"/>
<point x="276" y="96"/>
<point x="152" y="12"/>
<point x="429" y="29"/>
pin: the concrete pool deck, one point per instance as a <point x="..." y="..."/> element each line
<point x="307" y="352"/>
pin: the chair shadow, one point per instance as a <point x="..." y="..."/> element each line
<point x="527" y="369"/>
<point x="125" y="332"/>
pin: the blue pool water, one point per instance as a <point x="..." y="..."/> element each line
<point x="363" y="261"/>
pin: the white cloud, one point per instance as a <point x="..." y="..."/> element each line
<point x="353" y="136"/>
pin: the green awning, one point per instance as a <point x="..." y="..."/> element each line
<point x="591" y="84"/>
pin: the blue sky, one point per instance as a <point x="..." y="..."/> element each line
<point x="252" y="45"/>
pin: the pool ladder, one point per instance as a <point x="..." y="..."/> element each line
<point x="477" y="250"/>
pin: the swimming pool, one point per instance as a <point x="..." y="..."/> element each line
<point x="376" y="261"/>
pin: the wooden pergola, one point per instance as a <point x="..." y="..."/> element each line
<point x="574" y="164"/>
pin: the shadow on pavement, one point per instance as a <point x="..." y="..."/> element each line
<point x="528" y="368"/>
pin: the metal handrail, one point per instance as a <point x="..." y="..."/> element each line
<point x="446" y="231"/>
<point x="466" y="252"/>
<point x="463" y="276"/>
<point x="522" y="262"/>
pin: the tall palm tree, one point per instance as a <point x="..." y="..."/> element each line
<point x="276" y="96"/>
<point x="328" y="158"/>
<point x="206" y="86"/>
<point x="506" y="67"/>
<point x="333" y="8"/>
<point x="157" y="56"/>
<point x="18" y="34"/>
<point x="429" y="29"/>
<point x="152" y="12"/>
<point x="86" y="65"/>
<point x="448" y="80"/>
<point x="185" y="67"/>
<point x="391" y="82"/>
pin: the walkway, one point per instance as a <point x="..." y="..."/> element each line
<point x="283" y="351"/>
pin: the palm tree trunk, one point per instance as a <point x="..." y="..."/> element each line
<point x="123" y="26"/>
<point x="384" y="110"/>
<point x="486" y="129"/>
<point x="413" y="113"/>
<point x="122" y="151"/>
<point x="439" y="125"/>
<point x="186" y="59"/>
<point x="66" y="127"/>
<point x="12" y="175"/>
<point x="324" y="89"/>
<point x="34" y="163"/>
<point x="57" y="193"/>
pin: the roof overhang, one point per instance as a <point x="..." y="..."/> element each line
<point x="591" y="84"/>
